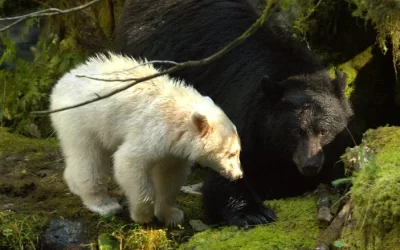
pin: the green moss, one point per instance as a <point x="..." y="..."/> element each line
<point x="295" y="228"/>
<point x="191" y="205"/>
<point x="385" y="16"/>
<point x="376" y="191"/>
<point x="352" y="67"/>
<point x="16" y="144"/>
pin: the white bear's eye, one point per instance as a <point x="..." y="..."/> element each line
<point x="231" y="155"/>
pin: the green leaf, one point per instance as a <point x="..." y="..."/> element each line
<point x="341" y="181"/>
<point x="339" y="243"/>
<point x="107" y="242"/>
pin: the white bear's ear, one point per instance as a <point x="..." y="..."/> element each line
<point x="201" y="123"/>
<point x="209" y="100"/>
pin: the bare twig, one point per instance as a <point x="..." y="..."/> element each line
<point x="140" y="65"/>
<point x="45" y="12"/>
<point x="253" y="28"/>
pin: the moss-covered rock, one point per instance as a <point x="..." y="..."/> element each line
<point x="295" y="228"/>
<point x="375" y="191"/>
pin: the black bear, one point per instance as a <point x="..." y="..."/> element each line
<point x="290" y="115"/>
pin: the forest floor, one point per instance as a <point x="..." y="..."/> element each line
<point x="37" y="211"/>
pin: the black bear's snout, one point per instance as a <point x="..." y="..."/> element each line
<point x="313" y="165"/>
<point x="309" y="156"/>
<point x="311" y="169"/>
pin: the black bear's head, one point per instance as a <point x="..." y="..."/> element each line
<point x="307" y="113"/>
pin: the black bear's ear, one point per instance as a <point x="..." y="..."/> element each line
<point x="273" y="90"/>
<point x="339" y="84"/>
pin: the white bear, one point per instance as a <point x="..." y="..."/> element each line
<point x="153" y="131"/>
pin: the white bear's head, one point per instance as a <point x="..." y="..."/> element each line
<point x="216" y="143"/>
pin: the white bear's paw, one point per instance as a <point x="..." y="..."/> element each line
<point x="142" y="218"/>
<point x="171" y="216"/>
<point x="105" y="206"/>
<point x="143" y="213"/>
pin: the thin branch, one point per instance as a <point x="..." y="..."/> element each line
<point x="253" y="28"/>
<point x="45" y="12"/>
<point x="137" y="66"/>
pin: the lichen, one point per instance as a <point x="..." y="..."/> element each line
<point x="296" y="227"/>
<point x="375" y="191"/>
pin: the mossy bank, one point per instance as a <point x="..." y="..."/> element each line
<point x="375" y="192"/>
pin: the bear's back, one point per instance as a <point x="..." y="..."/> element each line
<point x="147" y="108"/>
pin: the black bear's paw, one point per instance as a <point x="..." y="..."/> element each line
<point x="251" y="217"/>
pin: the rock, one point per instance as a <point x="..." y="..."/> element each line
<point x="33" y="130"/>
<point x="8" y="206"/>
<point x="198" y="225"/>
<point x="62" y="235"/>
<point x="192" y="189"/>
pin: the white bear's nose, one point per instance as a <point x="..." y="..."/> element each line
<point x="237" y="174"/>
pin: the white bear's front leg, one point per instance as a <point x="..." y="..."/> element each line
<point x="87" y="166"/>
<point x="168" y="177"/>
<point x="132" y="174"/>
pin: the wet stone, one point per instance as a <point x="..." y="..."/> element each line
<point x="198" y="225"/>
<point x="62" y="235"/>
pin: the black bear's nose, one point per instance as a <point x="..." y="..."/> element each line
<point x="310" y="169"/>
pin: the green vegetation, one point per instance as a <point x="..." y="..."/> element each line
<point x="131" y="236"/>
<point x="375" y="192"/>
<point x="385" y="16"/>
<point x="65" y="41"/>
<point x="296" y="227"/>
<point x="20" y="231"/>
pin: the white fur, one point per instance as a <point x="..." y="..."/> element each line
<point x="148" y="129"/>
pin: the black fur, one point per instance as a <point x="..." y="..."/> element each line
<point x="275" y="91"/>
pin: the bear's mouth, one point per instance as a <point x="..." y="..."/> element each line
<point x="232" y="175"/>
<point x="310" y="171"/>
